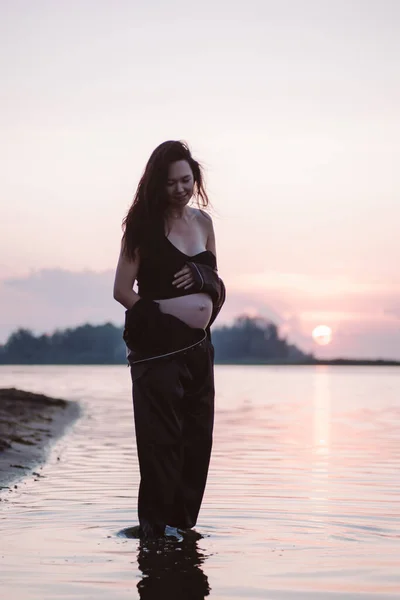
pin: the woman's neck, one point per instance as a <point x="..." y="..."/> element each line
<point x="179" y="214"/>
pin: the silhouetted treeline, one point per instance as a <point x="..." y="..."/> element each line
<point x="254" y="340"/>
<point x="88" y="344"/>
<point x="248" y="340"/>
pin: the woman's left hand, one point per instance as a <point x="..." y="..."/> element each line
<point x="183" y="278"/>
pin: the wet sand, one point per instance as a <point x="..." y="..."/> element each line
<point x="28" y="423"/>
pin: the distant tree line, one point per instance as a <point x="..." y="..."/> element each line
<point x="87" y="344"/>
<point x="254" y="340"/>
<point x="248" y="340"/>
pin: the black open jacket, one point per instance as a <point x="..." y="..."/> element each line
<point x="150" y="333"/>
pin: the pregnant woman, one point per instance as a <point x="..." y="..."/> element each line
<point x="168" y="247"/>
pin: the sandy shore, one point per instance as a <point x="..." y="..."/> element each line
<point x="28" y="423"/>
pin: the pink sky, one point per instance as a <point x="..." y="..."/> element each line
<point x="293" y="109"/>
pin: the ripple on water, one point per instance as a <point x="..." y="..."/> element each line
<point x="302" y="497"/>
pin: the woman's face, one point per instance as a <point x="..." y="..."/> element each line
<point x="179" y="183"/>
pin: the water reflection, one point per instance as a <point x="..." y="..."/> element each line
<point x="321" y="442"/>
<point x="172" y="571"/>
<point x="302" y="500"/>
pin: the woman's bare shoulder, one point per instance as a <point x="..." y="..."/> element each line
<point x="204" y="214"/>
<point x="203" y="218"/>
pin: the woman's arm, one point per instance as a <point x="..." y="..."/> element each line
<point x="207" y="224"/>
<point x="125" y="276"/>
<point x="210" y="244"/>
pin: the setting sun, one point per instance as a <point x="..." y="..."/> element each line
<point x="322" y="335"/>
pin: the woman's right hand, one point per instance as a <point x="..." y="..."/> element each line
<point x="183" y="278"/>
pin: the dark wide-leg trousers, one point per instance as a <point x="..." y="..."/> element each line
<point x="173" y="400"/>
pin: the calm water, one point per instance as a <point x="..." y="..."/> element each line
<point x="302" y="498"/>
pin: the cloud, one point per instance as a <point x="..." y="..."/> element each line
<point x="50" y="299"/>
<point x="55" y="298"/>
<point x="393" y="311"/>
<point x="366" y="339"/>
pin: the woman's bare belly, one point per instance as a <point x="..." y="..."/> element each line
<point x="195" y="309"/>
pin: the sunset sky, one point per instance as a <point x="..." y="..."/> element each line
<point x="293" y="106"/>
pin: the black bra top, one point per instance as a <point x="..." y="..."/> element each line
<point x="157" y="270"/>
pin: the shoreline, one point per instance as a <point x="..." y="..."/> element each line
<point x="29" y="424"/>
<point x="362" y="362"/>
<point x="335" y="362"/>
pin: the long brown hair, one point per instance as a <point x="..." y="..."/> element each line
<point x="143" y="225"/>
